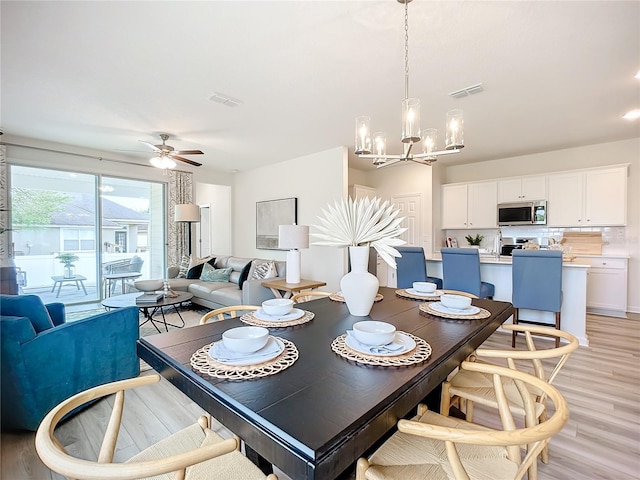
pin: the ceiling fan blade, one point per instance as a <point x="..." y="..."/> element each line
<point x="185" y="160"/>
<point x="188" y="152"/>
<point x="151" y="146"/>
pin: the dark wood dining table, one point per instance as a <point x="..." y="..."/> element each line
<point x="315" y="418"/>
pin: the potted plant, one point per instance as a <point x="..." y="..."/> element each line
<point x="475" y="241"/>
<point x="360" y="224"/>
<point x="67" y="259"/>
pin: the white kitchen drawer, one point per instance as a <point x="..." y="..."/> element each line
<point x="604" y="262"/>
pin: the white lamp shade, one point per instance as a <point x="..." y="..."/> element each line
<point x="293" y="236"/>
<point x="187" y="212"/>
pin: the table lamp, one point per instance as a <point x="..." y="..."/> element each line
<point x="293" y="237"/>
<point x="188" y="213"/>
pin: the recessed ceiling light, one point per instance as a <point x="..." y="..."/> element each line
<point x="632" y="114"/>
<point x="637" y="75"/>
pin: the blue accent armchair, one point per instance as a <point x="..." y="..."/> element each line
<point x="461" y="271"/>
<point x="45" y="360"/>
<point x="412" y="267"/>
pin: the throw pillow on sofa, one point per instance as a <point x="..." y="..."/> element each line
<point x="196" y="265"/>
<point x="263" y="269"/>
<point x="210" y="274"/>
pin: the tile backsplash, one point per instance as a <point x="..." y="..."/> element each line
<point x="614" y="238"/>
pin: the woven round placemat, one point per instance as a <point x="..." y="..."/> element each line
<point x="339" y="298"/>
<point x="250" y="319"/>
<point x="203" y="363"/>
<point x="426" y="308"/>
<point x="419" y="354"/>
<point x="401" y="292"/>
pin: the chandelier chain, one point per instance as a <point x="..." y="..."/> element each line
<point x="406" y="49"/>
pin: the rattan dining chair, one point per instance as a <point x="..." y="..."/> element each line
<point x="434" y="446"/>
<point x="224" y="313"/>
<point x="466" y="388"/>
<point x="302" y="297"/>
<point x="193" y="453"/>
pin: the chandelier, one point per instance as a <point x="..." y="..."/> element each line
<point x="375" y="147"/>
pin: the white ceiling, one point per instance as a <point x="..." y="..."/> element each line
<point x="105" y="75"/>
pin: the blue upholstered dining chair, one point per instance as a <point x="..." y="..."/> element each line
<point x="537" y="285"/>
<point x="46" y="360"/>
<point x="412" y="267"/>
<point x="461" y="271"/>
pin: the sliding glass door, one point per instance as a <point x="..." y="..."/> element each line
<point x="67" y="227"/>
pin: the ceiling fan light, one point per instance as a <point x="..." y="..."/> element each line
<point x="163" y="162"/>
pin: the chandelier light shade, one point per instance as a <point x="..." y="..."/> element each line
<point x="375" y="148"/>
<point x="410" y="120"/>
<point x="455" y="133"/>
<point x="429" y="142"/>
<point x="363" y="136"/>
<point x="379" y="147"/>
<point x="293" y="237"/>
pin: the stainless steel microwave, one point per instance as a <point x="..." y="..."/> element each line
<point x="523" y="213"/>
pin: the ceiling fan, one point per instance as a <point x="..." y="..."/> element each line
<point x="167" y="154"/>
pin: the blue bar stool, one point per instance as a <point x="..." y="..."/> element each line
<point x="412" y="267"/>
<point x="461" y="271"/>
<point x="537" y="285"/>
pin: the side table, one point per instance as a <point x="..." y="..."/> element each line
<point x="282" y="289"/>
<point x="59" y="280"/>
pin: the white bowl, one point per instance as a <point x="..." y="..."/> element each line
<point x="374" y="333"/>
<point x="424" y="287"/>
<point x="245" y="339"/>
<point x="459" y="302"/>
<point x="148" y="285"/>
<point x="277" y="306"/>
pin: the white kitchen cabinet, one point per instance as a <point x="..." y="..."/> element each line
<point x="469" y="205"/>
<point x="606" y="284"/>
<point x="522" y="189"/>
<point x="588" y="198"/>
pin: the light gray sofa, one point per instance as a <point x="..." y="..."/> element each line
<point x="223" y="294"/>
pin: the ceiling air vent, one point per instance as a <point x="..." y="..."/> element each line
<point x="225" y="99"/>
<point x="477" y="88"/>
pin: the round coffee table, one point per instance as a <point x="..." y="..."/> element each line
<point x="149" y="309"/>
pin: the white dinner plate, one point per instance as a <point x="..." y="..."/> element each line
<point x="401" y="338"/>
<point x="271" y="350"/>
<point x="413" y="291"/>
<point x="294" y="314"/>
<point x="439" y="307"/>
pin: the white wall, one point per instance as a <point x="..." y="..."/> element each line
<point x="315" y="180"/>
<point x="613" y="153"/>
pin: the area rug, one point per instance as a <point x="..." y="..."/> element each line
<point x="190" y="313"/>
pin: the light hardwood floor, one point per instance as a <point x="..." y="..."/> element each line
<point x="601" y="441"/>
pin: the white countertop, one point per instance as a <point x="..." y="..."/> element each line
<point x="507" y="260"/>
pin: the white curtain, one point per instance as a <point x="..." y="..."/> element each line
<point x="4" y="202"/>
<point x="180" y="191"/>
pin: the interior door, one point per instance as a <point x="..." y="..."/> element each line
<point x="410" y="206"/>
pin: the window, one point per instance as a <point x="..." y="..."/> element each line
<point x="76" y="240"/>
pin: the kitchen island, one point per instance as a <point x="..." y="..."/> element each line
<point x="497" y="270"/>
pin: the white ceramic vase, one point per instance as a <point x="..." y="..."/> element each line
<point x="359" y="287"/>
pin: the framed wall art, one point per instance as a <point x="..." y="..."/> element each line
<point x="270" y="214"/>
